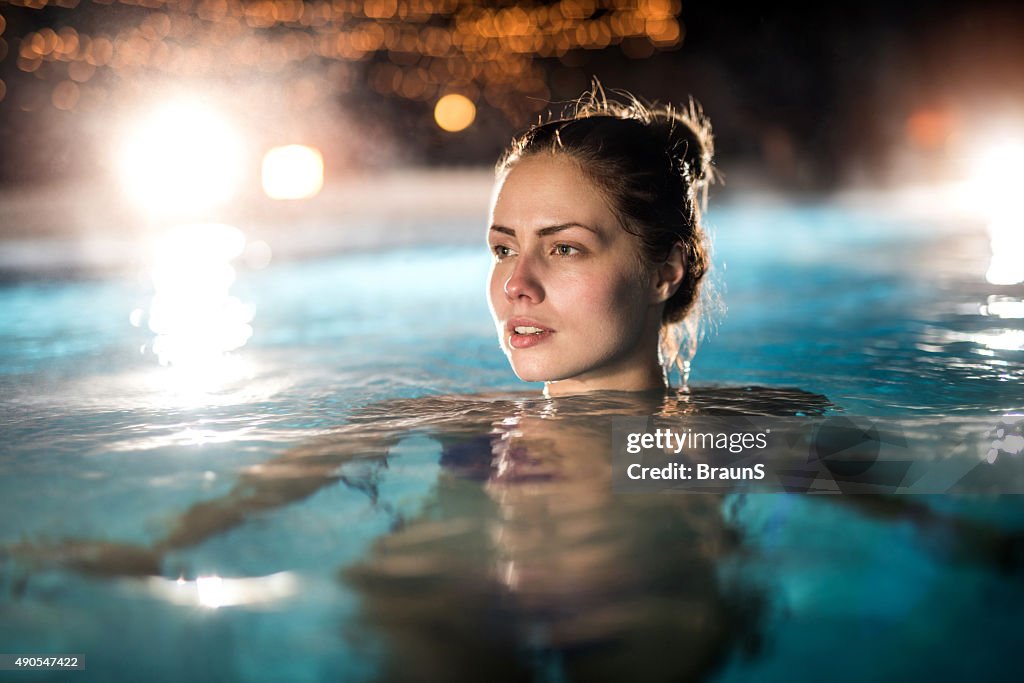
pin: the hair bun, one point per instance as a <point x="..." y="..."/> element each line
<point x="684" y="132"/>
<point x="689" y="141"/>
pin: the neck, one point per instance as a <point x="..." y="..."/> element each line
<point x="646" y="376"/>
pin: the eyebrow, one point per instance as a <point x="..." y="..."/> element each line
<point x="544" y="232"/>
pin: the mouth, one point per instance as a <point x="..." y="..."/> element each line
<point x="523" y="334"/>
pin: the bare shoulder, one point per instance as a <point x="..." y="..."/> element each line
<point x="758" y="400"/>
<point x="388" y="417"/>
<point x="433" y="406"/>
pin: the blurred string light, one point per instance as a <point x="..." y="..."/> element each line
<point x="413" y="49"/>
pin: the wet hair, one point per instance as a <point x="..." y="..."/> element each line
<point x="653" y="163"/>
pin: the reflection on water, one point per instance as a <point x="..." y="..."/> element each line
<point x="522" y="564"/>
<point x="995" y="189"/>
<point x="197" y="321"/>
<point x="506" y="556"/>
<point x="1003" y="307"/>
<point x="1008" y="438"/>
<point x="216" y="591"/>
<point x="1007" y="234"/>
<point x="517" y="559"/>
<point x="511" y="558"/>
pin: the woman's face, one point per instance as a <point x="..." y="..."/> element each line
<point x="568" y="295"/>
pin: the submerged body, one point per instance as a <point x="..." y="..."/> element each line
<point x="520" y="562"/>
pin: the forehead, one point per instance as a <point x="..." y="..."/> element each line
<point x="544" y="190"/>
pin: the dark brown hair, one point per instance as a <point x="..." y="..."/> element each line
<point x="653" y="164"/>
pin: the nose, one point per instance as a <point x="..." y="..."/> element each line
<point x="523" y="282"/>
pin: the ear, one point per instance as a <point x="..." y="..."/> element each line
<point x="667" y="277"/>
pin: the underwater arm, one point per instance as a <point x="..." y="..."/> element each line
<point x="291" y="477"/>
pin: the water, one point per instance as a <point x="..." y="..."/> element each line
<point x="137" y="532"/>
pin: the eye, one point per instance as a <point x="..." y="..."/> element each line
<point x="566" y="250"/>
<point x="501" y="252"/>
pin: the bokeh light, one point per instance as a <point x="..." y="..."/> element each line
<point x="454" y="112"/>
<point x="410" y="49"/>
<point x="293" y="172"/>
<point x="929" y="129"/>
<point x="185" y="158"/>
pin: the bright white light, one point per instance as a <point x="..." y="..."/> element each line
<point x="215" y="591"/>
<point x="998" y="176"/>
<point x="1003" y="307"/>
<point x="184" y="158"/>
<point x="997" y="182"/>
<point x="293" y="172"/>
<point x="196" y="319"/>
<point x="210" y="590"/>
<point x="1005" y="340"/>
<point x="1007" y="235"/>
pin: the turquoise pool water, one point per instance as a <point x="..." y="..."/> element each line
<point x="426" y="568"/>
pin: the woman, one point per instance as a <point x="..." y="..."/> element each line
<point x="599" y="251"/>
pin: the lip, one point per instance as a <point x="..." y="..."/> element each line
<point x="525" y="341"/>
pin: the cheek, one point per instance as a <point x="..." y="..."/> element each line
<point x="495" y="290"/>
<point x="607" y="302"/>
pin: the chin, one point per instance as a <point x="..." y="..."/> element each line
<point x="530" y="375"/>
<point x="529" y="372"/>
<point x="540" y="372"/>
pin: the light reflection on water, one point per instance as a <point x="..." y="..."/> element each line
<point x="1003" y="307"/>
<point x="215" y="591"/>
<point x="1007" y="233"/>
<point x="196" y="319"/>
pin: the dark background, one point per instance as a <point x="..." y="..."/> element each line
<point x="805" y="97"/>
